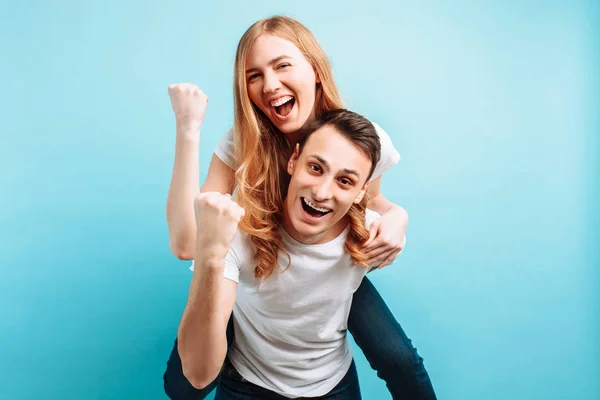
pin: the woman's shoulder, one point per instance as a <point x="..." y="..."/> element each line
<point x="380" y="131"/>
<point x="384" y="137"/>
<point x="389" y="155"/>
<point x="224" y="149"/>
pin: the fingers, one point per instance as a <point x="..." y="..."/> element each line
<point x="183" y="88"/>
<point x="220" y="203"/>
<point x="383" y="259"/>
<point x="373" y="229"/>
<point x="188" y="101"/>
<point x="377" y="249"/>
<point x="389" y="259"/>
<point x="236" y="211"/>
<point x="382" y="255"/>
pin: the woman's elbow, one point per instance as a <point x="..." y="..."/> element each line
<point x="180" y="250"/>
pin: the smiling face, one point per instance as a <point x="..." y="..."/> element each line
<point x="281" y="82"/>
<point x="328" y="177"/>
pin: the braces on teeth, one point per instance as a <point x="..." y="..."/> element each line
<point x="311" y="205"/>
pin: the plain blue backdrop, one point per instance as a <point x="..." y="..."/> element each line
<point x="493" y="107"/>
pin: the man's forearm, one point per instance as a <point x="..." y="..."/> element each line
<point x="202" y="340"/>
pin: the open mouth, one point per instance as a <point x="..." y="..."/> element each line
<point x="283" y="106"/>
<point x="313" y="210"/>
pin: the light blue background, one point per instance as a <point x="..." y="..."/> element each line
<point x="494" y="109"/>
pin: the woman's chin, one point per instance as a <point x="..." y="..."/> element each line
<point x="287" y="127"/>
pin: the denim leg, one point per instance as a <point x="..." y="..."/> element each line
<point x="386" y="346"/>
<point x="177" y="386"/>
<point x="234" y="387"/>
<point x="347" y="389"/>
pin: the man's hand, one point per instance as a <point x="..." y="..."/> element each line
<point x="217" y="219"/>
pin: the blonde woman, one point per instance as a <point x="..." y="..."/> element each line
<point x="282" y="80"/>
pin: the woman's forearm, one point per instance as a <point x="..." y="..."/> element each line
<point x="382" y="205"/>
<point x="184" y="186"/>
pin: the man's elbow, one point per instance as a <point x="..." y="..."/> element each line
<point x="200" y="378"/>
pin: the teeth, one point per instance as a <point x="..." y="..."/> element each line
<point x="281" y="101"/>
<point x="311" y="205"/>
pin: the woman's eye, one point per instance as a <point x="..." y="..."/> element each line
<point x="281" y="66"/>
<point x="253" y="76"/>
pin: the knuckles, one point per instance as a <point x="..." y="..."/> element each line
<point x="218" y="204"/>
<point x="186" y="89"/>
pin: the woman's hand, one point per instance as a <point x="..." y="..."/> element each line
<point x="189" y="105"/>
<point x="387" y="237"/>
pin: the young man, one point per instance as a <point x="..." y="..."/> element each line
<point x="290" y="327"/>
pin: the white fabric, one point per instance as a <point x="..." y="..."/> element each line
<point x="389" y="155"/>
<point x="290" y="329"/>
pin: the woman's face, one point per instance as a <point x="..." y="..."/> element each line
<point x="281" y="82"/>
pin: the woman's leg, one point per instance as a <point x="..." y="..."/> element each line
<point x="386" y="346"/>
<point x="177" y="386"/>
<point x="347" y="389"/>
<point x="233" y="386"/>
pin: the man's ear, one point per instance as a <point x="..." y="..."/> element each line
<point x="361" y="194"/>
<point x="293" y="159"/>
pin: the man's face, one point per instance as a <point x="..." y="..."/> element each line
<point x="326" y="179"/>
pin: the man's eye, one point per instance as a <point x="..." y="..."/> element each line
<point x="315" y="167"/>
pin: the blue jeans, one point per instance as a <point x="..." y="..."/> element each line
<point x="234" y="387"/>
<point x="375" y="331"/>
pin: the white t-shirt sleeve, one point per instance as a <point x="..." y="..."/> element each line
<point x="231" y="270"/>
<point x="224" y="149"/>
<point x="389" y="154"/>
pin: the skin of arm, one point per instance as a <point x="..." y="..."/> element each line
<point x="387" y="234"/>
<point x="189" y="105"/>
<point x="381" y="205"/>
<point x="202" y="337"/>
<point x="183" y="188"/>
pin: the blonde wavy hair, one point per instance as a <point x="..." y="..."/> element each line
<point x="262" y="151"/>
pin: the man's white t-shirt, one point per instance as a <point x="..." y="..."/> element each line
<point x="290" y="329"/>
<point x="389" y="155"/>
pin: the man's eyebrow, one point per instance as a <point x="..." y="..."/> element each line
<point x="327" y="167"/>
<point x="273" y="61"/>
<point x="351" y="172"/>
